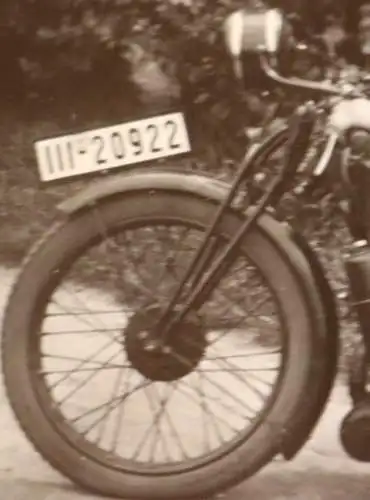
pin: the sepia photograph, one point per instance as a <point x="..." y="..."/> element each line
<point x="185" y="249"/>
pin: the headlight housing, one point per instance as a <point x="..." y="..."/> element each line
<point x="248" y="33"/>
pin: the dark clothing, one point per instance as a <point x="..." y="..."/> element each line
<point x="316" y="15"/>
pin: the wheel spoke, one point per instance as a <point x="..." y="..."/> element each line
<point x="81" y="313"/>
<point x="108" y="410"/>
<point x="120" y="415"/>
<point x="81" y="363"/>
<point x="202" y="412"/>
<point x="116" y="401"/>
<point x="101" y="367"/>
<point x="155" y="420"/>
<point x="239" y="377"/>
<point x="112" y="247"/>
<point x="104" y="331"/>
<point x="80" y="332"/>
<point x="208" y="416"/>
<point x="159" y="433"/>
<point x="248" y="354"/>
<point x="184" y="389"/>
<point x="84" y="382"/>
<point x="236" y="369"/>
<point x="239" y="323"/>
<point x="217" y="385"/>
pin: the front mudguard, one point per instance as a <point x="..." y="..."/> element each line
<point x="291" y="245"/>
<point x="295" y="442"/>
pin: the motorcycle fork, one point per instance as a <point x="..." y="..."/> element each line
<point x="207" y="268"/>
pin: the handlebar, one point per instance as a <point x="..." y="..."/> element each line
<point x="323" y="88"/>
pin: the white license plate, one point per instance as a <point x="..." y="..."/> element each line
<point x="111" y="147"/>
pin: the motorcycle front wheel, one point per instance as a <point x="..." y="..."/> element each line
<point x="120" y="419"/>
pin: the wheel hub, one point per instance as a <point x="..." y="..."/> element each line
<point x="178" y="357"/>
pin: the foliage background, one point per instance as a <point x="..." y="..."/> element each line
<point x="72" y="64"/>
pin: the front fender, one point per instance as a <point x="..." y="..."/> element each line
<point x="289" y="243"/>
<point x="296" y="442"/>
<point x="145" y="180"/>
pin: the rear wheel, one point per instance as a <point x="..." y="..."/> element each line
<point x="114" y="416"/>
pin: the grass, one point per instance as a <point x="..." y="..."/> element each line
<point x="26" y="208"/>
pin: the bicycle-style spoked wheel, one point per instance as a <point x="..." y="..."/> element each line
<point x="114" y="414"/>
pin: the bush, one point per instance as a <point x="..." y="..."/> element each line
<point x="85" y="51"/>
<point x="69" y="64"/>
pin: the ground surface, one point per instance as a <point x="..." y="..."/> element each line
<point x="321" y="471"/>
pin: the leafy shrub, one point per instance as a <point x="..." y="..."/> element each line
<point x="71" y="63"/>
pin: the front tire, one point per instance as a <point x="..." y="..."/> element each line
<point x="41" y="420"/>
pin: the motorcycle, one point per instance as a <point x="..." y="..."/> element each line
<point x="189" y="342"/>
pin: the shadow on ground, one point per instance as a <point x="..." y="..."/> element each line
<point x="303" y="485"/>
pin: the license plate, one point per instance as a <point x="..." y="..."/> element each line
<point x="112" y="147"/>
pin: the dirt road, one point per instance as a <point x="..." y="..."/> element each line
<point x="321" y="471"/>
